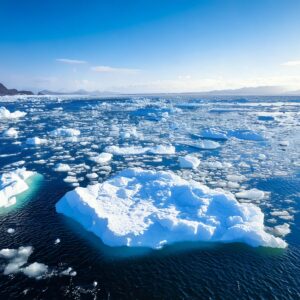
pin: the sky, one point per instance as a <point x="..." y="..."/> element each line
<point x="149" y="45"/>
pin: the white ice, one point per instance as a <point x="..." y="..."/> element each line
<point x="11" y="132"/>
<point x="36" y="141"/>
<point x="13" y="183"/>
<point x="189" y="162"/>
<point x="135" y="150"/>
<point x="65" y="132"/>
<point x="6" y="114"/>
<point x="147" y="208"/>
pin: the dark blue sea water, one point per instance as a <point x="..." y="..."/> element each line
<point x="180" y="271"/>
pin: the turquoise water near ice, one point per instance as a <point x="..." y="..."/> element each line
<point x="180" y="271"/>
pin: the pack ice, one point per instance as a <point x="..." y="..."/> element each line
<point x="11" y="184"/>
<point x="148" y="208"/>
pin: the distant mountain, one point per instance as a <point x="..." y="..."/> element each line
<point x="293" y="93"/>
<point x="249" y="91"/>
<point x="5" y="91"/>
<point x="78" y="92"/>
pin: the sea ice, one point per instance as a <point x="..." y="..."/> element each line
<point x="282" y="230"/>
<point x="36" y="141"/>
<point x="148" y="208"/>
<point x="253" y="194"/>
<point x="102" y="158"/>
<point x="6" y="114"/>
<point x="60" y="167"/>
<point x="13" y="183"/>
<point x="189" y="161"/>
<point x="207" y="145"/>
<point x="65" y="132"/>
<point x="35" y="270"/>
<point x="213" y="134"/>
<point x="11" y="132"/>
<point x="135" y="150"/>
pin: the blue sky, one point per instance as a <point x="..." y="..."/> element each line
<point x="149" y="45"/>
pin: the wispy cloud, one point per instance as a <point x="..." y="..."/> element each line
<point x="108" y="69"/>
<point x="291" y="63"/>
<point x="71" y="61"/>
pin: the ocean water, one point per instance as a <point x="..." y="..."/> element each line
<point x="257" y="129"/>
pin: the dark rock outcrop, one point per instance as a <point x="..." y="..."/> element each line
<point x="5" y="91"/>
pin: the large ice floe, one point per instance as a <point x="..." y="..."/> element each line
<point x="13" y="183"/>
<point x="144" y="208"/>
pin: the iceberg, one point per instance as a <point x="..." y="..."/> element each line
<point x="13" y="183"/>
<point x="144" y="208"/>
<point x="6" y="114"/>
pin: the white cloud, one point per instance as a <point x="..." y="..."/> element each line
<point x="108" y="69"/>
<point x="291" y="63"/>
<point x="71" y="61"/>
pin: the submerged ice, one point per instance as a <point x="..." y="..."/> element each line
<point x="144" y="208"/>
<point x="13" y="183"/>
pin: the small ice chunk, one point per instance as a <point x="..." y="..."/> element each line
<point x="35" y="270"/>
<point x="102" y="158"/>
<point x="13" y="183"/>
<point x="189" y="161"/>
<point x="214" y="134"/>
<point x="60" y="167"/>
<point x="282" y="230"/>
<point x="207" y="145"/>
<point x="253" y="194"/>
<point x="11" y="230"/>
<point x="284" y="143"/>
<point x="92" y="176"/>
<point x="36" y="141"/>
<point x="65" y="132"/>
<point x="11" y="132"/>
<point x="6" y="114"/>
<point x="57" y="241"/>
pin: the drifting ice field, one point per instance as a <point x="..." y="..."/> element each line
<point x="150" y="172"/>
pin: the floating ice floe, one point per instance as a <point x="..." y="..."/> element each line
<point x="6" y="114"/>
<point x="65" y="132"/>
<point x="36" y="141"/>
<point x="102" y="158"/>
<point x="11" y="132"/>
<point x="282" y="230"/>
<point x="207" y="145"/>
<point x="189" y="161"/>
<point x="135" y="150"/>
<point x="60" y="167"/>
<point x="241" y="134"/>
<point x="213" y="134"/>
<point x="13" y="183"/>
<point x="150" y="209"/>
<point x="35" y="270"/>
<point x="17" y="262"/>
<point x="253" y="194"/>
